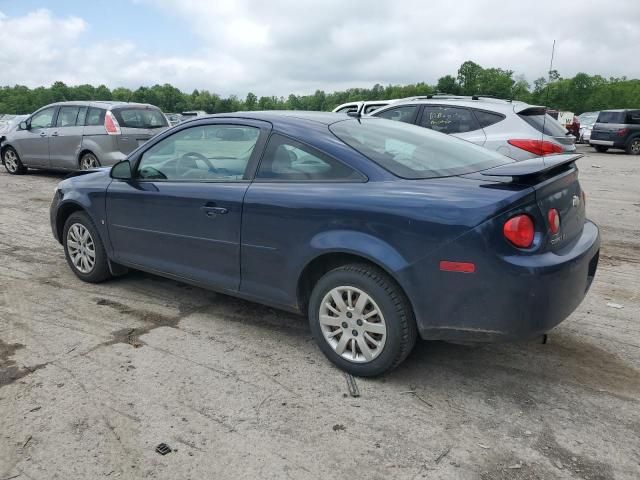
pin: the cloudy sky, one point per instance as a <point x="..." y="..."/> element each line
<point x="281" y="46"/>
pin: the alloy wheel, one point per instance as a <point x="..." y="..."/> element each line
<point x="635" y="146"/>
<point x="81" y="248"/>
<point x="352" y="324"/>
<point x="88" y="161"/>
<point x="11" y="161"/>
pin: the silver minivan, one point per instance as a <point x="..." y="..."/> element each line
<point x="80" y="135"/>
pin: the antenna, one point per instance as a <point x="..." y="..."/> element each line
<point x="544" y="119"/>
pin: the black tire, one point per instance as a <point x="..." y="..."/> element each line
<point x="390" y="299"/>
<point x="601" y="148"/>
<point x="633" y="146"/>
<point x="12" y="162"/>
<point x="99" y="272"/>
<point x="87" y="161"/>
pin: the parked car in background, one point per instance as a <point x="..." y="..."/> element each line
<point x="80" y="135"/>
<point x="515" y="129"/>
<point x="587" y="120"/>
<point x="568" y="120"/>
<point x="174" y="118"/>
<point x="192" y="113"/>
<point x="9" y="123"/>
<point x="363" y="108"/>
<point x="377" y="230"/>
<point x="617" y="129"/>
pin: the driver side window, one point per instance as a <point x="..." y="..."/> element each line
<point x="43" y="119"/>
<point x="203" y="153"/>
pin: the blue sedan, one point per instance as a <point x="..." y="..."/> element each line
<point x="377" y="230"/>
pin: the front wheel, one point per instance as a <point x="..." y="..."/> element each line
<point x="633" y="147"/>
<point x="361" y="320"/>
<point x="12" y="162"/>
<point x="84" y="249"/>
<point x="89" y="161"/>
<point x="600" y="148"/>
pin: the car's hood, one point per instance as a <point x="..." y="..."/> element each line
<point x="94" y="178"/>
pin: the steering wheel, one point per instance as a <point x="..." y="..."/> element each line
<point x="193" y="156"/>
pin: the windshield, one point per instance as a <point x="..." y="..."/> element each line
<point x="414" y="152"/>
<point x="611" y="117"/>
<point x="140" y="117"/>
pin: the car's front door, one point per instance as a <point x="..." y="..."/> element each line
<point x="457" y="121"/>
<point x="32" y="144"/>
<point x="66" y="137"/>
<point x="181" y="214"/>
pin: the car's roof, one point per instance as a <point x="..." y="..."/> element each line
<point x="100" y="103"/>
<point x="283" y="117"/>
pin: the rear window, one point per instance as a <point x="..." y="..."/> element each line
<point x="140" y="117"/>
<point x="543" y="123"/>
<point x="611" y="117"/>
<point x="414" y="152"/>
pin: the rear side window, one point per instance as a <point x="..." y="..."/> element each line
<point x="67" y="116"/>
<point x="140" y="117"/>
<point x="288" y="160"/>
<point x="634" y="118"/>
<point x="611" y="117"/>
<point x="371" y="108"/>
<point x="543" y="123"/>
<point x="400" y="114"/>
<point x="448" y="119"/>
<point x="486" y="119"/>
<point x="412" y="152"/>
<point x="95" y="116"/>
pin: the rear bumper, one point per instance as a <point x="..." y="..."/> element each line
<point x="510" y="298"/>
<point x="608" y="143"/>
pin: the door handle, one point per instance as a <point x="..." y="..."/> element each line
<point x="214" y="211"/>
<point x="54" y="134"/>
<point x="43" y="134"/>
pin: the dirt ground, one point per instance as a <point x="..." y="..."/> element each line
<point x="94" y="377"/>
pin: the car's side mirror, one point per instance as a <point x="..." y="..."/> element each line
<point x="122" y="170"/>
<point x="24" y="125"/>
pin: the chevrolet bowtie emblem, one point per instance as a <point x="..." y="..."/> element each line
<point x="576" y="201"/>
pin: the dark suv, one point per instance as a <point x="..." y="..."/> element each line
<point x="617" y="129"/>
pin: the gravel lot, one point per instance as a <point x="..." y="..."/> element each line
<point x="93" y="377"/>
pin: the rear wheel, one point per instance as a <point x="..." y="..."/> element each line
<point x="633" y="147"/>
<point x="89" y="161"/>
<point x="600" y="148"/>
<point x="84" y="249"/>
<point x="361" y="320"/>
<point x="12" y="162"/>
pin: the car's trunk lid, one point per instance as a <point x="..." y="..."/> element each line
<point x="132" y="138"/>
<point x="138" y="123"/>
<point x="555" y="182"/>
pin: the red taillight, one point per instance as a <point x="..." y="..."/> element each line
<point x="111" y="124"/>
<point x="460" y="267"/>
<point x="622" y="132"/>
<point x="554" y="221"/>
<point x="537" y="147"/>
<point x="519" y="230"/>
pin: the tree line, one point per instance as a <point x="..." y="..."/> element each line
<point x="578" y="94"/>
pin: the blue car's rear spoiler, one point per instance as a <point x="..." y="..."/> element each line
<point x="533" y="167"/>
